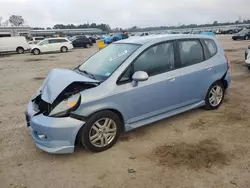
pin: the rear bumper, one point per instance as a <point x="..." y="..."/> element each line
<point x="53" y="135"/>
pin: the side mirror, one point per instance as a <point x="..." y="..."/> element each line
<point x="139" y="76"/>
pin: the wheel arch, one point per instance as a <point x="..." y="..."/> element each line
<point x="117" y="112"/>
<point x="19" y="47"/>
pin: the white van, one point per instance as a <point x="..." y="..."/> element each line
<point x="13" y="44"/>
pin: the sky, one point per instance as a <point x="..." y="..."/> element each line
<point x="125" y="13"/>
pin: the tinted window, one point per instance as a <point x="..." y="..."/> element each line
<point x="41" y="38"/>
<point x="156" y="60"/>
<point x="52" y="41"/>
<point x="212" y="48"/>
<point x="191" y="52"/>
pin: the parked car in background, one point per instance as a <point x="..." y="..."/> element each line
<point x="247" y="58"/>
<point x="32" y="43"/>
<point x="242" y="35"/>
<point x="207" y="33"/>
<point x="52" y="45"/>
<point x="93" y="40"/>
<point x="13" y="44"/>
<point x="107" y="39"/>
<point x="38" y="39"/>
<point x="141" y="34"/>
<point x="120" y="36"/>
<point x="128" y="84"/>
<point x="81" y="41"/>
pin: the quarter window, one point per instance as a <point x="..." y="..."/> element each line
<point x="211" y="47"/>
<point x="191" y="52"/>
<point x="157" y="59"/>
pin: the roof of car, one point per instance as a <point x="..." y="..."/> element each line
<point x="55" y="38"/>
<point x="144" y="39"/>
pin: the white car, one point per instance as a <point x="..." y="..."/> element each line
<point x="52" y="45"/>
<point x="13" y="44"/>
<point x="33" y="43"/>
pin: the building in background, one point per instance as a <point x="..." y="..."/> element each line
<point x="15" y="31"/>
<point x="65" y="32"/>
<point x="28" y="32"/>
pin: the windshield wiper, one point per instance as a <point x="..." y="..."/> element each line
<point x="89" y="74"/>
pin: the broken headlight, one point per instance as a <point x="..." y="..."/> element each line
<point x="67" y="105"/>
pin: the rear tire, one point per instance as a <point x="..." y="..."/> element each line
<point x="64" y="49"/>
<point x="36" y="51"/>
<point x="87" y="45"/>
<point x="20" y="50"/>
<point x="215" y="96"/>
<point x="101" y="131"/>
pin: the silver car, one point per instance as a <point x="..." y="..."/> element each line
<point x="126" y="85"/>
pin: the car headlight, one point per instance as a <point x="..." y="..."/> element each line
<point x="64" y="107"/>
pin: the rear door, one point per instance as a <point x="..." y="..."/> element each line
<point x="54" y="44"/>
<point x="194" y="70"/>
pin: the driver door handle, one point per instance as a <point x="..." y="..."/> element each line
<point x="171" y="79"/>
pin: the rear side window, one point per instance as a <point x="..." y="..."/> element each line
<point x="211" y="46"/>
<point x="62" y="40"/>
<point x="191" y="52"/>
<point x="52" y="41"/>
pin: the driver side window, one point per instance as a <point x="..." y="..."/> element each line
<point x="156" y="60"/>
<point x="44" y="42"/>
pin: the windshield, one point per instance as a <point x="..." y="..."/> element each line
<point x="244" y="31"/>
<point x="102" y="64"/>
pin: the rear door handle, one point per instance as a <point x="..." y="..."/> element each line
<point x="171" y="79"/>
<point x="209" y="68"/>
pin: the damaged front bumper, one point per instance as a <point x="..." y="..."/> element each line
<point x="53" y="135"/>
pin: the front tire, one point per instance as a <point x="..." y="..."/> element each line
<point x="20" y="50"/>
<point x="64" y="49"/>
<point x="36" y="51"/>
<point x="101" y="131"/>
<point x="87" y="45"/>
<point x="215" y="96"/>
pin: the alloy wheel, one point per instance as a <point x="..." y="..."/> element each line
<point x="215" y="95"/>
<point x="102" y="132"/>
<point x="36" y="51"/>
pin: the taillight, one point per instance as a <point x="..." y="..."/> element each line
<point x="228" y="62"/>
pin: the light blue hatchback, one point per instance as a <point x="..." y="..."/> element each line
<point x="128" y="84"/>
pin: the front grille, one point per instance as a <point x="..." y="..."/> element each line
<point x="43" y="106"/>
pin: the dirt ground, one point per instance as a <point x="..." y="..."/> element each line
<point x="196" y="149"/>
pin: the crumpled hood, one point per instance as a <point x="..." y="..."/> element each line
<point x="57" y="80"/>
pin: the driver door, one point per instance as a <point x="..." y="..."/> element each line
<point x="160" y="93"/>
<point x="44" y="46"/>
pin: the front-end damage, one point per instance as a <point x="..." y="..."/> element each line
<point x="47" y="114"/>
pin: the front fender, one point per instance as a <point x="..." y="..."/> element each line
<point x="85" y="110"/>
